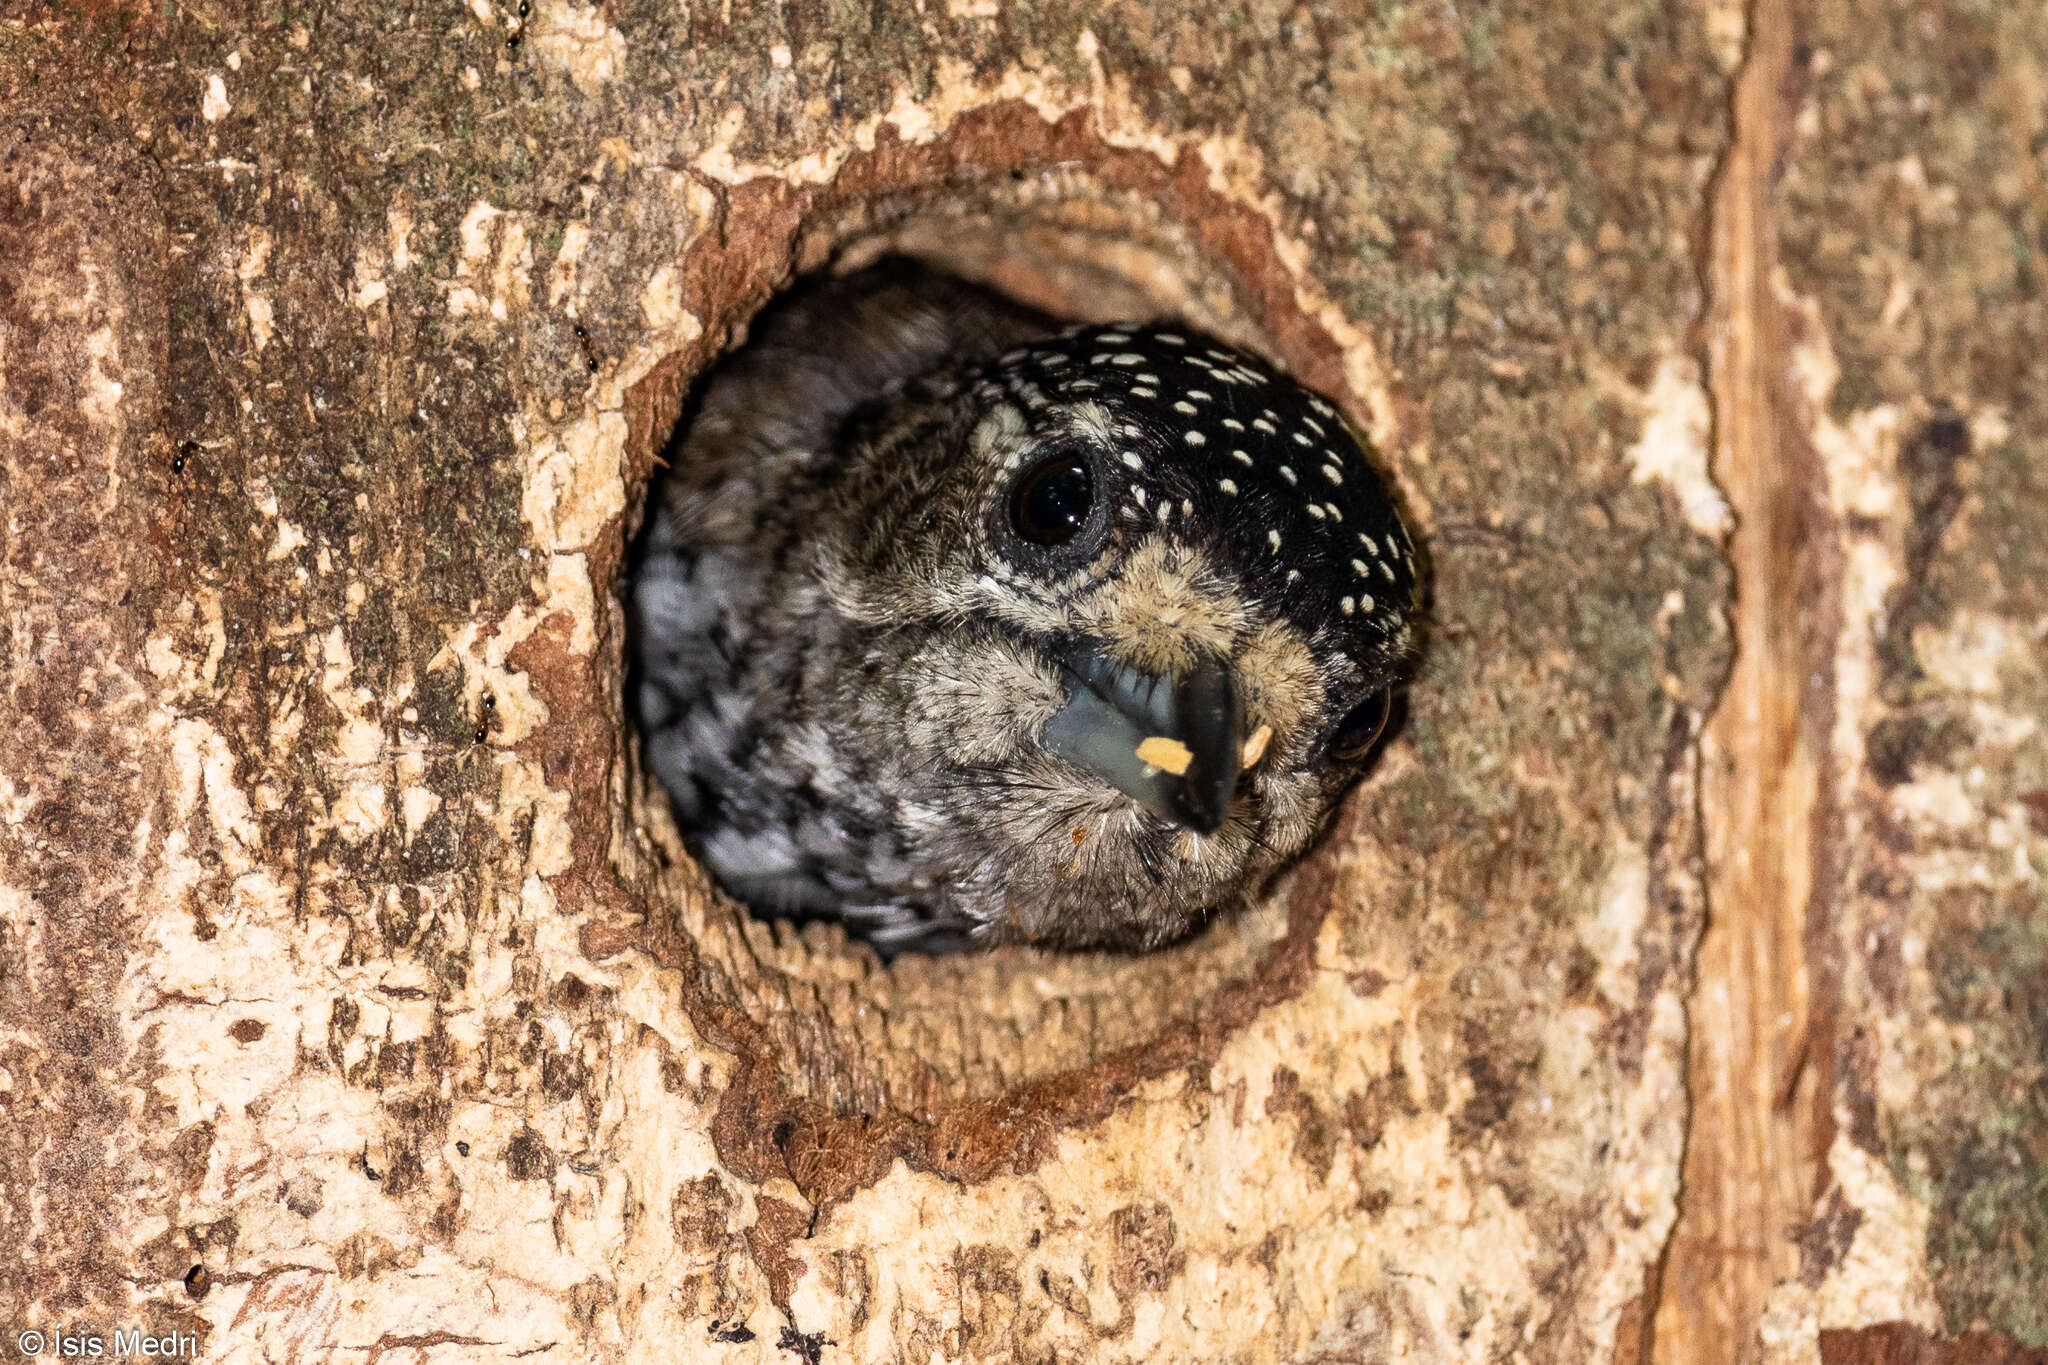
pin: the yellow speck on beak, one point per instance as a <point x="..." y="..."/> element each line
<point x="1168" y="755"/>
<point x="1255" y="747"/>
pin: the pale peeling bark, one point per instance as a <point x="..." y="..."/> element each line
<point x="356" y="998"/>
<point x="1913" y="378"/>
<point x="1865" y="1181"/>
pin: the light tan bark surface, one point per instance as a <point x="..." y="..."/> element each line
<point x="357" y="1001"/>
<point x="1865" y="1166"/>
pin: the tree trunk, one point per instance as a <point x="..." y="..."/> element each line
<point x="1672" y="989"/>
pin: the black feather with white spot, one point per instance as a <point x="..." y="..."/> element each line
<point x="1214" y="445"/>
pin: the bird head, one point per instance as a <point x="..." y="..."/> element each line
<point x="1141" y="603"/>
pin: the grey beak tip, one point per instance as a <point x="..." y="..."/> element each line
<point x="1203" y="819"/>
<point x="1112" y="710"/>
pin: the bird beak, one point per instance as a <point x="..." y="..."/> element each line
<point x="1169" y="741"/>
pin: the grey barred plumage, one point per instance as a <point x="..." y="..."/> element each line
<point x="959" y="625"/>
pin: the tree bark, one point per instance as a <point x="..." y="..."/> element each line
<point x="358" y="1000"/>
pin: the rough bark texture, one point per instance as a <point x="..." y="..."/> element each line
<point x="1868" y="1167"/>
<point x="357" y="1000"/>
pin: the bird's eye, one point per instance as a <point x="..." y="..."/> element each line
<point x="1355" y="734"/>
<point x="1050" y="504"/>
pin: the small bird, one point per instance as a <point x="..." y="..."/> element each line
<point x="963" y="626"/>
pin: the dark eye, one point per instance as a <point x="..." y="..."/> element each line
<point x="1049" y="505"/>
<point x="1355" y="734"/>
